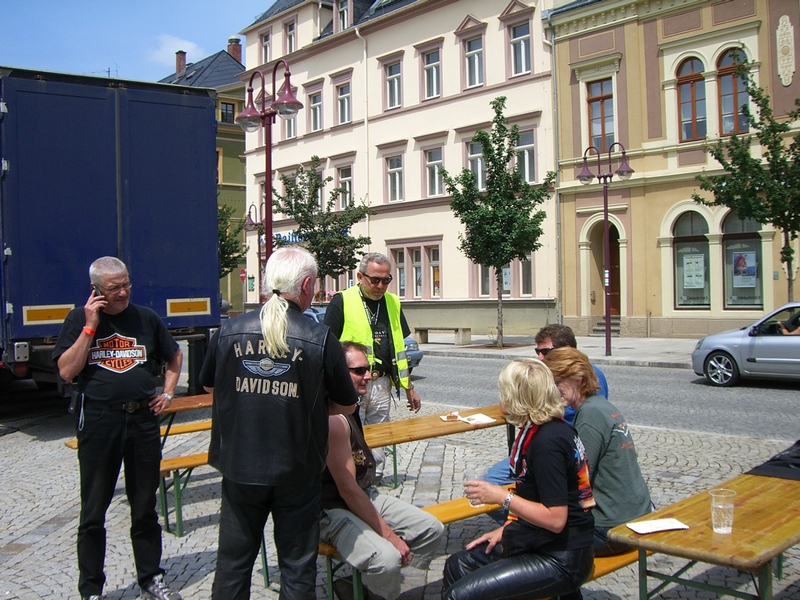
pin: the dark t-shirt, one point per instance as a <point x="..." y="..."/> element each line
<point x="126" y="354"/>
<point x="334" y="318"/>
<point x="554" y="472"/>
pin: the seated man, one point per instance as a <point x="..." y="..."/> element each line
<point x="375" y="534"/>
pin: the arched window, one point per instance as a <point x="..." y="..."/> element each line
<point x="732" y="93"/>
<point x="691" y="261"/>
<point x="692" y="100"/>
<point x="743" y="272"/>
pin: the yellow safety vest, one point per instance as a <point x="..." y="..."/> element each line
<point x="358" y="329"/>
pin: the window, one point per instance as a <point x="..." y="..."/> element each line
<point x="266" y="53"/>
<point x="526" y="159"/>
<point x="474" y="57"/>
<point x="344" y="21"/>
<point x="227" y="112"/>
<point x="394" y="167"/>
<point x="399" y="261"/>
<point x="692" y="289"/>
<point x="521" y="49"/>
<point x="345" y="177"/>
<point x="732" y="94"/>
<point x="417" y="266"/>
<point x="320" y="191"/>
<point x="433" y="172"/>
<point x="393" y="96"/>
<point x="692" y="100"/>
<point x="485" y="280"/>
<point x="315" y="111"/>
<point x="432" y="74"/>
<point x="477" y="164"/>
<point x="506" y="280"/>
<point x="526" y="275"/>
<point x="433" y="262"/>
<point x="343" y="96"/>
<point x="601" y="113"/>
<point x="291" y="128"/>
<point x="742" y="269"/>
<point x="290" y="38"/>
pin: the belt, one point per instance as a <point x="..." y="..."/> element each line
<point x="130" y="406"/>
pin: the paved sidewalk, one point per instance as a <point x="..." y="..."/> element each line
<point x="651" y="352"/>
<point x="40" y="504"/>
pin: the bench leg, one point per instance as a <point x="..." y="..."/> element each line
<point x="329" y="575"/>
<point x="264" y="564"/>
<point x="422" y="337"/>
<point x="463" y="336"/>
<point x="162" y="499"/>
<point x="358" y="588"/>
<point x="178" y="484"/>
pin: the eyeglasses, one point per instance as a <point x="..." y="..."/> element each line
<point x="116" y="289"/>
<point x="360" y="371"/>
<point x="544" y="351"/>
<point x="377" y="280"/>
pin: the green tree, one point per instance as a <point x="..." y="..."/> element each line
<point x="323" y="230"/>
<point x="765" y="189"/>
<point x="501" y="223"/>
<point x="232" y="250"/>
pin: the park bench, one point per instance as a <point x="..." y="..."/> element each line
<point x="463" y="334"/>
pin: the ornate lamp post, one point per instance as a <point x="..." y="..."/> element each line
<point x="586" y="176"/>
<point x="250" y="119"/>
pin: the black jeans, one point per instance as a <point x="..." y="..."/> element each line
<point x="475" y="575"/>
<point x="106" y="440"/>
<point x="243" y="514"/>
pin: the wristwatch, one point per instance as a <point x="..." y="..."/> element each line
<point x="507" y="501"/>
<point x="410" y="385"/>
<point x="167" y="396"/>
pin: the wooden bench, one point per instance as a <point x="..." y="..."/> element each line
<point x="166" y="431"/>
<point x="180" y="467"/>
<point x="463" y="334"/>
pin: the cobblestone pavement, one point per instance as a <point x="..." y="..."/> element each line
<point x="40" y="504"/>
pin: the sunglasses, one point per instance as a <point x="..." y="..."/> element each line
<point x="360" y="371"/>
<point x="377" y="280"/>
<point x="544" y="351"/>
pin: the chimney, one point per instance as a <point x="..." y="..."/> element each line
<point x="235" y="48"/>
<point x="180" y="62"/>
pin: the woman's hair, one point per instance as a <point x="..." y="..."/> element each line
<point x="568" y="362"/>
<point x="286" y="271"/>
<point x="528" y="393"/>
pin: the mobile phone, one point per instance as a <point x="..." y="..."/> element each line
<point x="96" y="290"/>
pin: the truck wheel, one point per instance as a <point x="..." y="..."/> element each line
<point x="721" y="369"/>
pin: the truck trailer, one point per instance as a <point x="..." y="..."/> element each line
<point x="97" y="167"/>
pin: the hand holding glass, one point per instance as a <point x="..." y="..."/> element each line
<point x="473" y="474"/>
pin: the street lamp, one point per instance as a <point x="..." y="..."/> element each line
<point x="250" y="119"/>
<point x="624" y="172"/>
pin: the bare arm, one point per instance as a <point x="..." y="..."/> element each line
<point x="73" y="360"/>
<point x="340" y="409"/>
<point x="552" y="518"/>
<point x="173" y="372"/>
<point x="343" y="469"/>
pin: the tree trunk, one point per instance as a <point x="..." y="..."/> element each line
<point x="787" y="245"/>
<point x="499" y="275"/>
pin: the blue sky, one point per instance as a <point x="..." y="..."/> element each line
<point x="134" y="39"/>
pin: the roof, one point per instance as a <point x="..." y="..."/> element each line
<point x="214" y="71"/>
<point x="277" y="8"/>
<point x="367" y="10"/>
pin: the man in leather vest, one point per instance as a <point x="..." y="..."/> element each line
<point x="276" y="375"/>
<point x="368" y="314"/>
<point x="375" y="534"/>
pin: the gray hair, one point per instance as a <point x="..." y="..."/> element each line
<point x="376" y="257"/>
<point x="105" y="266"/>
<point x="286" y="271"/>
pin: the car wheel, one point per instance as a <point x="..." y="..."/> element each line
<point x="721" y="369"/>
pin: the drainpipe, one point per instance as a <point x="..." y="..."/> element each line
<point x="319" y="10"/>
<point x="366" y="119"/>
<point x="559" y="261"/>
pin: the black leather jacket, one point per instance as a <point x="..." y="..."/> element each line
<point x="270" y="414"/>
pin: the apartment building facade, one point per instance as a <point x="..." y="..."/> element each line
<point x="658" y="78"/>
<point x="393" y="93"/>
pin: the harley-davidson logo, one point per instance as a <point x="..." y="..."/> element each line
<point x="117" y="353"/>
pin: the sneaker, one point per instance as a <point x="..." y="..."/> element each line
<point x="93" y="597"/>
<point x="159" y="590"/>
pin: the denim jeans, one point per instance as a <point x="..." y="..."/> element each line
<point x="295" y="514"/>
<point x="108" y="439"/>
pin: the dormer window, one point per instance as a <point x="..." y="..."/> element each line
<point x="344" y="16"/>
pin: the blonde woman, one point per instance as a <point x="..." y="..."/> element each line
<point x="545" y="547"/>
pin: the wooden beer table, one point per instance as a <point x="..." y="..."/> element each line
<point x="766" y="522"/>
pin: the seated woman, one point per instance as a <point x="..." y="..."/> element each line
<point x="617" y="483"/>
<point x="545" y="547"/>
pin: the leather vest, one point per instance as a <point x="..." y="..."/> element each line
<point x="365" y="467"/>
<point x="270" y="414"/>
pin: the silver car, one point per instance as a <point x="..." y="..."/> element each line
<point x="762" y="350"/>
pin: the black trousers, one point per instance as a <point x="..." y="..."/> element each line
<point x="243" y="514"/>
<point x="107" y="439"/>
<point x="475" y="575"/>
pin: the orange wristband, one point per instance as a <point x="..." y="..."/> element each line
<point x="89" y="331"/>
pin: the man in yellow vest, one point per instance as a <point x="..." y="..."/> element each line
<point x="366" y="313"/>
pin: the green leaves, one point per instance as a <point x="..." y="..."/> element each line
<point x="231" y="249"/>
